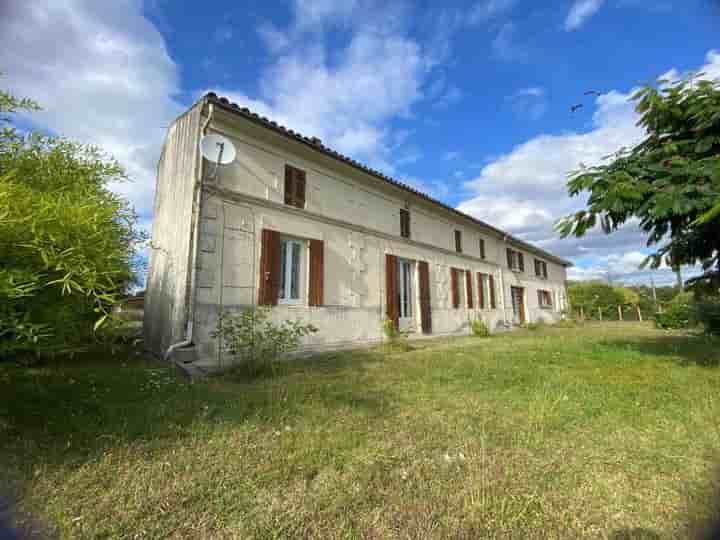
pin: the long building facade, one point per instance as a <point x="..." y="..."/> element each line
<point x="313" y="235"/>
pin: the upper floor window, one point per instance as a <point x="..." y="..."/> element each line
<point x="294" y="186"/>
<point x="541" y="269"/>
<point x="482" y="248"/>
<point x="404" y="223"/>
<point x="515" y="260"/>
<point x="544" y="299"/>
<point x="458" y="241"/>
<point x="291" y="265"/>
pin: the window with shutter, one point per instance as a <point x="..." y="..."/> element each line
<point x="294" y="186"/>
<point x="458" y="241"/>
<point x="482" y="248"/>
<point x="481" y="290"/>
<point x="515" y="260"/>
<point x="521" y="262"/>
<point x="392" y="300"/>
<point x="404" y="223"/>
<point x="269" y="268"/>
<point x="317" y="273"/>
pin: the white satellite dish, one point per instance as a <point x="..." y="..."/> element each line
<point x="217" y="149"/>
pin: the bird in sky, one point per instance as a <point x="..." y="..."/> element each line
<point x="576" y="107"/>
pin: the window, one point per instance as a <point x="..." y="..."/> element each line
<point x="544" y="299"/>
<point x="458" y="241"/>
<point x="541" y="269"/>
<point x="291" y="275"/>
<point x="455" y="276"/>
<point x="482" y="248"/>
<point x="294" y="186"/>
<point x="515" y="260"/>
<point x="404" y="223"/>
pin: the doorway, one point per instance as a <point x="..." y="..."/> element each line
<point x="517" y="294"/>
<point x="406" y="288"/>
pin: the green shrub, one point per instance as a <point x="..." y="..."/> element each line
<point x="678" y="314"/>
<point x="479" y="328"/>
<point x="396" y="338"/>
<point x="256" y="341"/>
<point x="707" y="312"/>
<point x="534" y="325"/>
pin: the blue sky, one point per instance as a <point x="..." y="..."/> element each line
<point x="468" y="101"/>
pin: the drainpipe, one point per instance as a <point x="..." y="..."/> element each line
<point x="191" y="294"/>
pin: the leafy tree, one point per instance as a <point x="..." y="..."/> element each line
<point x="594" y="295"/>
<point x="66" y="241"/>
<point x="670" y="181"/>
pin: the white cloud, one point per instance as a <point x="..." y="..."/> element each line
<point x="532" y="180"/>
<point x="485" y="10"/>
<point x="102" y="75"/>
<point x="348" y="101"/>
<point x="580" y="12"/>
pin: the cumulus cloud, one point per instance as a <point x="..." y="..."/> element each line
<point x="532" y="181"/>
<point x="102" y="74"/>
<point x="580" y="12"/>
<point x="348" y="102"/>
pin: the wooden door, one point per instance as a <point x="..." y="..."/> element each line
<point x="518" y="304"/>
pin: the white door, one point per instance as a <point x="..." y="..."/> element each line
<point x="406" y="278"/>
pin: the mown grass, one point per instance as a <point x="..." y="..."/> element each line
<point x="604" y="431"/>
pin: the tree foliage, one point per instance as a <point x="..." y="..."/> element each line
<point x="670" y="181"/>
<point x="66" y="241"/>
<point x="592" y="296"/>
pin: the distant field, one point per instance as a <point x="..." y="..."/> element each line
<point x="605" y="431"/>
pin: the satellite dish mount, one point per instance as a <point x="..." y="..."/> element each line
<point x="218" y="150"/>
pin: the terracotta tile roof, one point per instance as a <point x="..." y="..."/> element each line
<point x="316" y="144"/>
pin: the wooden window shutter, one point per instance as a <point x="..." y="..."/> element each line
<point x="521" y="263"/>
<point x="317" y="273"/>
<point x="299" y="188"/>
<point x="294" y="186"/>
<point x="392" y="301"/>
<point x="538" y="272"/>
<point x="269" y="268"/>
<point x="458" y="241"/>
<point x="540" y="298"/>
<point x="491" y="286"/>
<point x="482" y="248"/>
<point x="424" y="279"/>
<point x="544" y="269"/>
<point x="509" y="257"/>
<point x="481" y="290"/>
<point x="455" y="287"/>
<point x="468" y="286"/>
<point x="404" y="223"/>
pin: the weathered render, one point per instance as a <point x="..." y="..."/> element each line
<point x="354" y="213"/>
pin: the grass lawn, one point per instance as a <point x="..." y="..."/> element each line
<point x="609" y="431"/>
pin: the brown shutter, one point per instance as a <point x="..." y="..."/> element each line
<point x="269" y="268"/>
<point x="392" y="307"/>
<point x="481" y="291"/>
<point x="317" y="272"/>
<point x="540" y="298"/>
<point x="404" y="223"/>
<point x="491" y="286"/>
<point x="509" y="257"/>
<point x="482" y="248"/>
<point x="521" y="262"/>
<point x="537" y="268"/>
<point x="299" y="188"/>
<point x="454" y="287"/>
<point x="424" y="278"/>
<point x="468" y="287"/>
<point x="289" y="184"/>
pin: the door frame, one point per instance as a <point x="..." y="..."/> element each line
<point x="520" y="291"/>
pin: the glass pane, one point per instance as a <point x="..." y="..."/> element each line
<point x="295" y="272"/>
<point x="408" y="291"/>
<point x="283" y="267"/>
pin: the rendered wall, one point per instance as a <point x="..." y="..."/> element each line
<point x="167" y="293"/>
<point x="358" y="224"/>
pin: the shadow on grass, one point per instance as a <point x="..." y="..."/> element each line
<point x="636" y="533"/>
<point x="690" y="349"/>
<point x="73" y="410"/>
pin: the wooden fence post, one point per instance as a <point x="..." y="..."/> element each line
<point x="639" y="313"/>
<point x="620" y="316"/>
<point x="600" y="313"/>
<point x="582" y="313"/>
